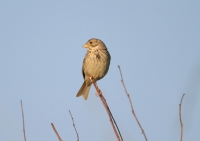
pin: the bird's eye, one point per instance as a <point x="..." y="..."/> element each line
<point x="90" y="42"/>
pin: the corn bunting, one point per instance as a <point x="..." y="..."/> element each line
<point x="96" y="64"/>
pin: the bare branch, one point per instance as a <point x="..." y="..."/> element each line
<point x="23" y="121"/>
<point x="58" y="136"/>
<point x="132" y="109"/>
<point x="74" y="126"/>
<point x="108" y="111"/>
<point x="181" y="124"/>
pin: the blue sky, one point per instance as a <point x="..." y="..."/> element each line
<point x="156" y="43"/>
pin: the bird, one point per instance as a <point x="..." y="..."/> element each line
<point x="96" y="64"/>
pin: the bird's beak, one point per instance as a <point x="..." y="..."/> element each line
<point x="85" y="45"/>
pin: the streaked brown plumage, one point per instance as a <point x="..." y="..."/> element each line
<point x="96" y="63"/>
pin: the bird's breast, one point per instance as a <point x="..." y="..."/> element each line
<point x="96" y="63"/>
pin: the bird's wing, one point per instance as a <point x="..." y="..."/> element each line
<point x="84" y="66"/>
<point x="83" y="73"/>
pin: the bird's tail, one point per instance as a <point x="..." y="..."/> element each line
<point x="84" y="90"/>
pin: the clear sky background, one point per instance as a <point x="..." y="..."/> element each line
<point x="156" y="43"/>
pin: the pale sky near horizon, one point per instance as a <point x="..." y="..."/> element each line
<point x="156" y="43"/>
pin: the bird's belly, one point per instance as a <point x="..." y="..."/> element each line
<point x="97" y="69"/>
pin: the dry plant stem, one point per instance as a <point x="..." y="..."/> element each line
<point x="107" y="110"/>
<point x="23" y="121"/>
<point x="181" y="124"/>
<point x="74" y="126"/>
<point x="58" y="136"/>
<point x="132" y="109"/>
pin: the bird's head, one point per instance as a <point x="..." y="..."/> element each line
<point x="94" y="44"/>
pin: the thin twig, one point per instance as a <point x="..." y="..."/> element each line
<point x="74" y="126"/>
<point x="118" y="134"/>
<point x="23" y="121"/>
<point x="132" y="109"/>
<point x="58" y="136"/>
<point x="181" y="124"/>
